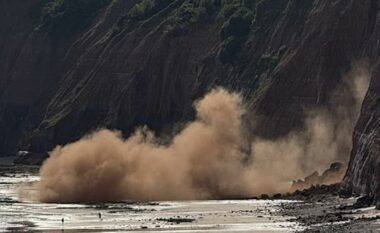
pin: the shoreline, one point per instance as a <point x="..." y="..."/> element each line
<point x="319" y="209"/>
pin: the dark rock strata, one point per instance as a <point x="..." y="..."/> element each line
<point x="123" y="67"/>
<point x="363" y="176"/>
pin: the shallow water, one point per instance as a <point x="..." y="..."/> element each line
<point x="190" y="216"/>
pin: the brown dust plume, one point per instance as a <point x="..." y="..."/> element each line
<point x="203" y="161"/>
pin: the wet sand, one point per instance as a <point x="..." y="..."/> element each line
<point x="330" y="213"/>
<point x="187" y="216"/>
<point x="319" y="213"/>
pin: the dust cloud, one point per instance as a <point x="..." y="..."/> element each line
<point x="325" y="139"/>
<point x="203" y="161"/>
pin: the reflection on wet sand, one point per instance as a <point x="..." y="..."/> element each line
<point x="190" y="216"/>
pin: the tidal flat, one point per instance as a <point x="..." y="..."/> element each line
<point x="23" y="215"/>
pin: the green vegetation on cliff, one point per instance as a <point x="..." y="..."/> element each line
<point x="146" y="8"/>
<point x="65" y="17"/>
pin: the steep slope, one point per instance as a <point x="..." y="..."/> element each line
<point x="68" y="67"/>
<point x="20" y="85"/>
<point x="130" y="65"/>
<point x="363" y="176"/>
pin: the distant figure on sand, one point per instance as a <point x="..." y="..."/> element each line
<point x="63" y="223"/>
<point x="100" y="216"/>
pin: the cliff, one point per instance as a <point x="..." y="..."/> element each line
<point x="122" y="65"/>
<point x="68" y="67"/>
<point x="363" y="176"/>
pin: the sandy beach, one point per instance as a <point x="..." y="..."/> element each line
<point x="187" y="216"/>
<point x="318" y="213"/>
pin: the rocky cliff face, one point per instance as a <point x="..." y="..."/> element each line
<point x="129" y="63"/>
<point x="68" y="67"/>
<point x="363" y="175"/>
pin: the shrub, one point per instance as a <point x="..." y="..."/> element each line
<point x="238" y="25"/>
<point x="228" y="8"/>
<point x="267" y="62"/>
<point x="234" y="31"/>
<point x="69" y="16"/>
<point x="268" y="10"/>
<point x="147" y="8"/>
<point x="190" y="12"/>
<point x="209" y="5"/>
<point x="230" y="48"/>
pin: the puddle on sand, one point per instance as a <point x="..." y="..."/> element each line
<point x="187" y="216"/>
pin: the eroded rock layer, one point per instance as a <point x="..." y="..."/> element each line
<point x="68" y="67"/>
<point x="122" y="65"/>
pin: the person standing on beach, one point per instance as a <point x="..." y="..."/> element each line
<point x="63" y="223"/>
